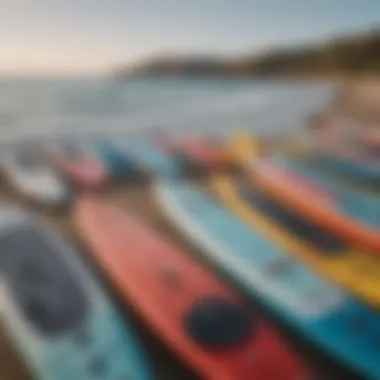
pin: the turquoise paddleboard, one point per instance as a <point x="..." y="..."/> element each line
<point x="325" y="315"/>
<point x="55" y="311"/>
<point x="152" y="158"/>
<point x="351" y="201"/>
<point x="115" y="159"/>
<point x="355" y="169"/>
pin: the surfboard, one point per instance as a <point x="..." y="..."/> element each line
<point x="318" y="247"/>
<point x="150" y="157"/>
<point x="78" y="163"/>
<point x="55" y="311"/>
<point x="115" y="160"/>
<point x="324" y="314"/>
<point x="29" y="173"/>
<point x="186" y="305"/>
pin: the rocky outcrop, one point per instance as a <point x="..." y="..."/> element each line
<point x="360" y="101"/>
<point x="357" y="101"/>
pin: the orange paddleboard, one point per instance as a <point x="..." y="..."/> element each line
<point x="304" y="197"/>
<point x="197" y="315"/>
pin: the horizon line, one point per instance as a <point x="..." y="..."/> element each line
<point x="107" y="71"/>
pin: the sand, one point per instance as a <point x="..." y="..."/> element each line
<point x="137" y="198"/>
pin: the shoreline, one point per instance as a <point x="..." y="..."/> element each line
<point x="304" y="78"/>
<point x="319" y="79"/>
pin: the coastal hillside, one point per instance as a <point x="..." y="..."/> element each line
<point x="350" y="55"/>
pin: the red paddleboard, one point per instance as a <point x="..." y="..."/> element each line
<point x="199" y="152"/>
<point x="82" y="169"/>
<point x="197" y="315"/>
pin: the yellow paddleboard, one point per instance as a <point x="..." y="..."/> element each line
<point x="243" y="146"/>
<point x="355" y="271"/>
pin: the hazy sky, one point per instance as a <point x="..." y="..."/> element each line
<point x="71" y="36"/>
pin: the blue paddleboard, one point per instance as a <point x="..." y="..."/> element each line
<point x="351" y="168"/>
<point x="55" y="311"/>
<point x="325" y="315"/>
<point x="116" y="160"/>
<point x="152" y="158"/>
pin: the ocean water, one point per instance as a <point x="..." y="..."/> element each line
<point x="45" y="107"/>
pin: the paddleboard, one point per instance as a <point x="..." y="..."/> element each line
<point x="347" y="153"/>
<point x="298" y="194"/>
<point x="149" y="156"/>
<point x="28" y="172"/>
<point x="366" y="171"/>
<point x="197" y="315"/>
<point x="320" y="248"/>
<point x="327" y="316"/>
<point x="275" y="181"/>
<point x="241" y="146"/>
<point x="353" y="214"/>
<point x="55" y="310"/>
<point x="301" y="153"/>
<point x="198" y="153"/>
<point x="78" y="163"/>
<point x="115" y="160"/>
<point x="353" y="201"/>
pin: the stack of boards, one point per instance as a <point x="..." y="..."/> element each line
<point x="48" y="175"/>
<point x="321" y="281"/>
<point x="66" y="326"/>
<point x="323" y="313"/>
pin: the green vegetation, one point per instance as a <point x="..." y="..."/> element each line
<point x="354" y="55"/>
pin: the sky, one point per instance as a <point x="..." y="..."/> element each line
<point x="93" y="36"/>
